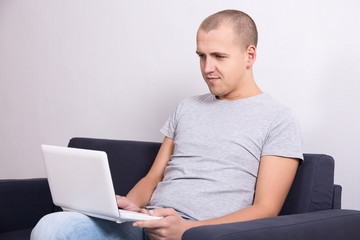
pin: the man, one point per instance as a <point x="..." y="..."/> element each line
<point x="218" y="149"/>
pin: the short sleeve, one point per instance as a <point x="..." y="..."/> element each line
<point x="169" y="128"/>
<point x="284" y="136"/>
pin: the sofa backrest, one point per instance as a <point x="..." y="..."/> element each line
<point x="312" y="190"/>
<point x="313" y="187"/>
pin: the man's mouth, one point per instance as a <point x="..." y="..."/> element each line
<point x="212" y="79"/>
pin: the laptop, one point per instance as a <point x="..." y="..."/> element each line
<point x="80" y="181"/>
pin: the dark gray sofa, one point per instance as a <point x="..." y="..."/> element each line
<point x="311" y="210"/>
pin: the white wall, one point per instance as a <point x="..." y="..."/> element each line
<point x="116" y="69"/>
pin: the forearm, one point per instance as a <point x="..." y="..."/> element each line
<point x="141" y="193"/>
<point x="250" y="213"/>
<point x="143" y="190"/>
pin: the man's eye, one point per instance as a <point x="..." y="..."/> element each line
<point x="201" y="55"/>
<point x="219" y="56"/>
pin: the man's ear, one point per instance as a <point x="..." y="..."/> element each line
<point x="251" y="55"/>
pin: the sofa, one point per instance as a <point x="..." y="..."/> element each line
<point x="311" y="211"/>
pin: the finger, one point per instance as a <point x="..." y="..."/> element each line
<point x="118" y="197"/>
<point x="149" y="223"/>
<point x="125" y="203"/>
<point x="120" y="201"/>
<point x="162" y="212"/>
<point x="144" y="211"/>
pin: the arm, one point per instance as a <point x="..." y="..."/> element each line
<point x="140" y="194"/>
<point x="275" y="177"/>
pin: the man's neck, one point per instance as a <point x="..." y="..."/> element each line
<point x="249" y="89"/>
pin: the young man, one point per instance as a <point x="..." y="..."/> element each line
<point x="218" y="149"/>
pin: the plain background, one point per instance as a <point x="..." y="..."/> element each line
<point x="117" y="69"/>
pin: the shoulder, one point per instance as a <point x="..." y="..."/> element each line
<point x="274" y="114"/>
<point x="275" y="108"/>
<point x="283" y="118"/>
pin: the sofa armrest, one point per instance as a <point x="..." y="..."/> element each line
<point x="23" y="202"/>
<point x="337" y="197"/>
<point x="328" y="224"/>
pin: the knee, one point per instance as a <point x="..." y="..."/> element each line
<point x="45" y="227"/>
<point x="59" y="225"/>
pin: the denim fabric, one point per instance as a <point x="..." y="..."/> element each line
<point x="71" y="225"/>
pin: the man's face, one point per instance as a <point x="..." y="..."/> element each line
<point x="222" y="61"/>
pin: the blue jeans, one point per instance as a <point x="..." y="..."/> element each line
<point x="71" y="225"/>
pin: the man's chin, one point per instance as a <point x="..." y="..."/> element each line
<point x="217" y="94"/>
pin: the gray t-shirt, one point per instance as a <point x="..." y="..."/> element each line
<point x="218" y="145"/>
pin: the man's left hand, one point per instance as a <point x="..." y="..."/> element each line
<point x="171" y="227"/>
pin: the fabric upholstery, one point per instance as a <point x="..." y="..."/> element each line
<point x="16" y="235"/>
<point x="23" y="203"/>
<point x="337" y="197"/>
<point x="321" y="225"/>
<point x="313" y="186"/>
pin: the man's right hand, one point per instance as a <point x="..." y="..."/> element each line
<point x="126" y="204"/>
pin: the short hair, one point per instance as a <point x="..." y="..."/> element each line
<point x="244" y="26"/>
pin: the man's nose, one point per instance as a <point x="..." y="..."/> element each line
<point x="209" y="65"/>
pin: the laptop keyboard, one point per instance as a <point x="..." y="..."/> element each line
<point x="136" y="215"/>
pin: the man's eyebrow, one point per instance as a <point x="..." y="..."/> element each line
<point x="219" y="53"/>
<point x="214" y="53"/>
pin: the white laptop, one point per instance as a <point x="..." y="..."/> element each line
<point x="80" y="181"/>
